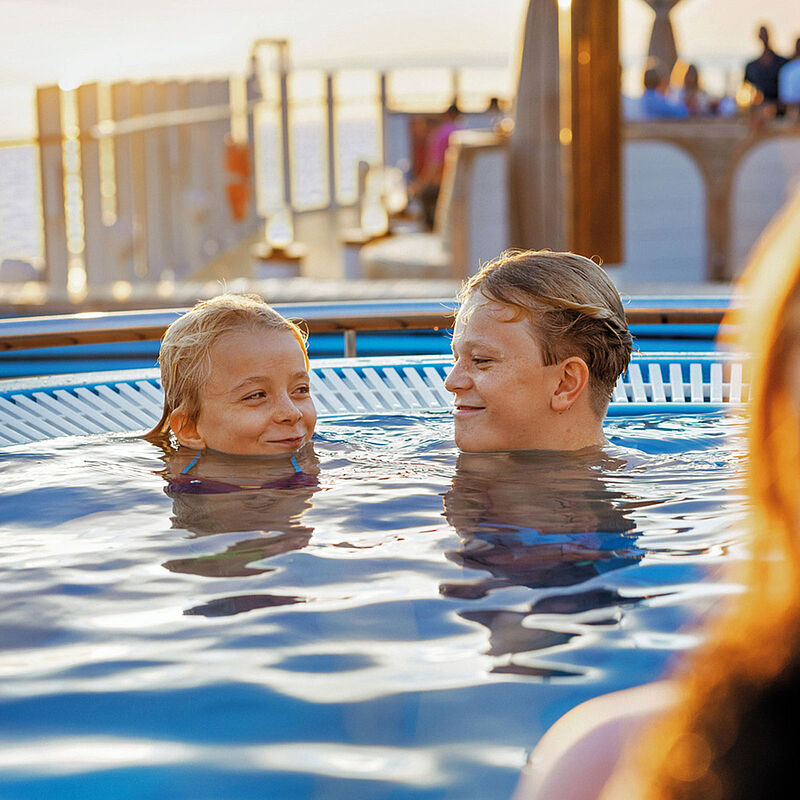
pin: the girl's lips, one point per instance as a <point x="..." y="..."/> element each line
<point x="294" y="442"/>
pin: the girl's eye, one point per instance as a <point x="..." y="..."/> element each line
<point x="303" y="389"/>
<point x="255" y="396"/>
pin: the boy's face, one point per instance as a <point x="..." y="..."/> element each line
<point x="256" y="400"/>
<point x="501" y="386"/>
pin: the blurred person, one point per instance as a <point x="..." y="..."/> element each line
<point x="692" y="96"/>
<point x="654" y="102"/>
<point x="723" y="728"/>
<point x="762" y="72"/>
<point x="498" y="115"/>
<point x="427" y="184"/>
<point x="789" y="83"/>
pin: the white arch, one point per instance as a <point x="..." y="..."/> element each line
<point x="761" y="185"/>
<point x="665" y="216"/>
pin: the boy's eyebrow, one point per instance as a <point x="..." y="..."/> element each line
<point x="472" y="344"/>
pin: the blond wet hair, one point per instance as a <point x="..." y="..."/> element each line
<point x="184" y="356"/>
<point x="733" y="692"/>
<point x="574" y="308"/>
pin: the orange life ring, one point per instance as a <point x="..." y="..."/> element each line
<point x="238" y="200"/>
<point x="237" y="164"/>
<point x="237" y="158"/>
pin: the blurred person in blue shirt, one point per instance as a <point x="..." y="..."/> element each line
<point x="655" y="104"/>
<point x="789" y="82"/>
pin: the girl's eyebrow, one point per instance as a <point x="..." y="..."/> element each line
<point x="251" y="379"/>
<point x="300" y="375"/>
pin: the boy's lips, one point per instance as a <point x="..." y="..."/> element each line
<point x="464" y="409"/>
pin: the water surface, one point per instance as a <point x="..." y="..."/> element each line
<point x="404" y="624"/>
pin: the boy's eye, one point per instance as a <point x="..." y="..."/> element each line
<point x="304" y="389"/>
<point x="255" y="396"/>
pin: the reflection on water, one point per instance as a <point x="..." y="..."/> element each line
<point x="401" y="622"/>
<point x="541" y="520"/>
<point x="538" y="519"/>
<point x="222" y="494"/>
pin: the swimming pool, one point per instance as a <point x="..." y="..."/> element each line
<point x="405" y="626"/>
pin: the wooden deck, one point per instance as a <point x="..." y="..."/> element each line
<point x="321" y="279"/>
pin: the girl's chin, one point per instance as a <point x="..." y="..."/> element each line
<point x="284" y="447"/>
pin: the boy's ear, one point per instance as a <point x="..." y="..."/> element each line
<point x="574" y="379"/>
<point x="185" y="429"/>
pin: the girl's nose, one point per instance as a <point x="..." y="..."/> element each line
<point x="287" y="411"/>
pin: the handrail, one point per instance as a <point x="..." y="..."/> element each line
<point x="21" y="333"/>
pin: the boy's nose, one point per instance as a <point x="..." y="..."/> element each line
<point x="456" y="379"/>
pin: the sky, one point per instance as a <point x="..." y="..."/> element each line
<point x="72" y="41"/>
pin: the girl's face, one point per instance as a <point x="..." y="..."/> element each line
<point x="256" y="400"/>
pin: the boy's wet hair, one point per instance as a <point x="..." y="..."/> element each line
<point x="184" y="356"/>
<point x="574" y="308"/>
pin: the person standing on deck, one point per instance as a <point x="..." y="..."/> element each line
<point x="762" y="72"/>
<point x="692" y="96"/>
<point x="426" y="186"/>
<point x="789" y="83"/>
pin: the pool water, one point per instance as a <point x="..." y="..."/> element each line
<point x="404" y="624"/>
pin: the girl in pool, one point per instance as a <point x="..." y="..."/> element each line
<point x="236" y="382"/>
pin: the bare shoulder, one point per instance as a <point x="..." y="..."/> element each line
<point x="577" y="755"/>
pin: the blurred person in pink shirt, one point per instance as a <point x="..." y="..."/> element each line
<point x="427" y="184"/>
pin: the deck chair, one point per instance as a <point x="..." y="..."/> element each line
<point x="470" y="225"/>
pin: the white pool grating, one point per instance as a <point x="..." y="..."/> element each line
<point x="80" y="406"/>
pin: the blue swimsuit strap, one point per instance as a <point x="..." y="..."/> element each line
<point x="191" y="463"/>
<point x="186" y="484"/>
<point x="293" y="461"/>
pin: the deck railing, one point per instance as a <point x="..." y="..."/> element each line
<point x="134" y="183"/>
<point x="347" y="318"/>
<point x="137" y="179"/>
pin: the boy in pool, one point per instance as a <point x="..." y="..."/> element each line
<point x="539" y="342"/>
<point x="235" y="379"/>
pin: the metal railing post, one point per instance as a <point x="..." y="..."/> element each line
<point x="285" y="146"/>
<point x="384" y="119"/>
<point x="94" y="233"/>
<point x="331" y="109"/>
<point x="51" y="170"/>
<point x="156" y="168"/>
<point x="350" y="343"/>
<point x="455" y="84"/>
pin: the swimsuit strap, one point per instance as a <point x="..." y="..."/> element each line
<point x="186" y="484"/>
<point x="191" y="463"/>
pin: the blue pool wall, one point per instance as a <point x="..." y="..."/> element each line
<point x="142" y="355"/>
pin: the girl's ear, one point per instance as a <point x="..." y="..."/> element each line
<point x="185" y="429"/>
<point x="574" y="379"/>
